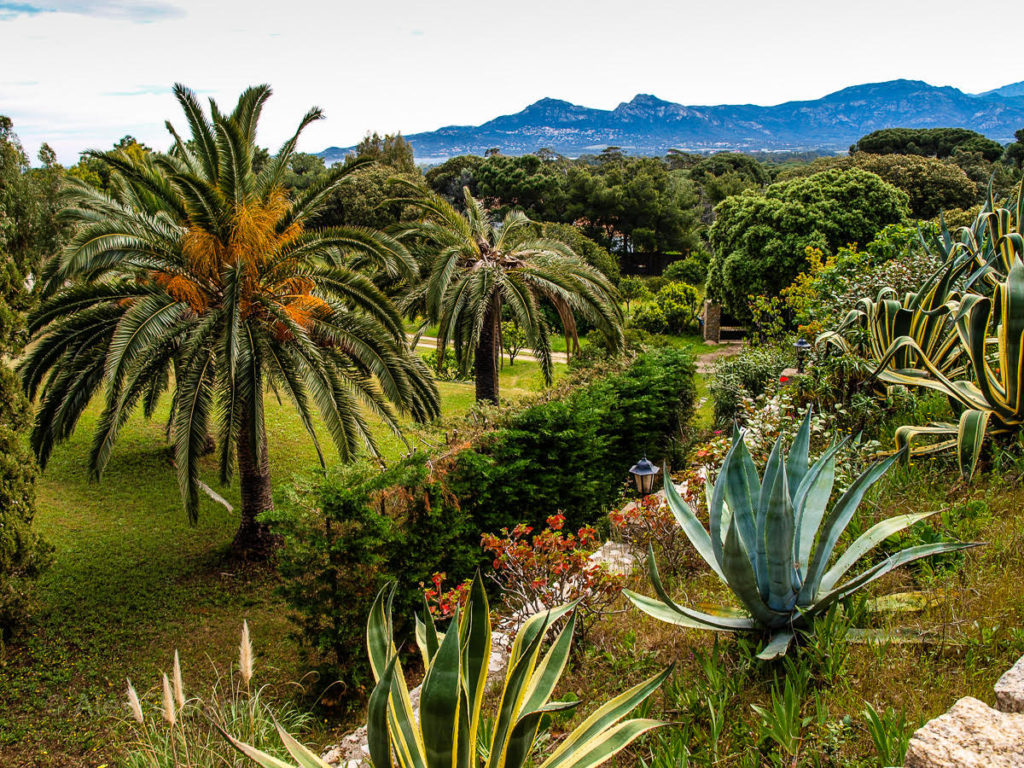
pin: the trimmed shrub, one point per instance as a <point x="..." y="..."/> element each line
<point x="572" y="455"/>
<point x="649" y="317"/>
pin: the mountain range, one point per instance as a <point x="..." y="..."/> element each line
<point x="647" y="125"/>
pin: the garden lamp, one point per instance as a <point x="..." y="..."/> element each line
<point x="801" y="351"/>
<point x="644" y="473"/>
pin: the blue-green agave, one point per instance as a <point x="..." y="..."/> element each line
<point x="772" y="540"/>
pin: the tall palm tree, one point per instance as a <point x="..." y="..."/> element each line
<point x="198" y="273"/>
<point x="476" y="268"/>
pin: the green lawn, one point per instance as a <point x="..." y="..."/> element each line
<point x="132" y="582"/>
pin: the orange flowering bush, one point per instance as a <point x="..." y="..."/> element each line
<point x="551" y="568"/>
<point x="648" y="522"/>
<point x="442" y="602"/>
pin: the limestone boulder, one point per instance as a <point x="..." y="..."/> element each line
<point x="970" y="735"/>
<point x="1010" y="689"/>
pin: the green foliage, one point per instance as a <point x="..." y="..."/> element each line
<point x="932" y="185"/>
<point x="748" y="374"/>
<point x="680" y="304"/>
<point x="929" y="142"/>
<point x="772" y="540"/>
<point x="391" y="151"/>
<point x="344" y="535"/>
<point x="649" y="317"/>
<point x="572" y="455"/>
<point x="453" y="175"/>
<point x="890" y="732"/>
<point x="759" y="240"/>
<point x="22" y="554"/>
<point x="448" y="367"/>
<point x="452" y="730"/>
<point x="693" y="269"/>
<point x="633" y="288"/>
<point x="513" y="339"/>
<point x="591" y="252"/>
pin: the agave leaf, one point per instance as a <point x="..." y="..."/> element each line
<point x="377" y="735"/>
<point x="475" y="630"/>
<point x="799" y="462"/>
<point x="777" y="646"/>
<point x="909" y="555"/>
<point x="741" y="580"/>
<point x="606" y="745"/>
<point x="780" y="568"/>
<point x="550" y="669"/>
<point x="685" y="617"/>
<point x="836" y="522"/>
<point x="305" y="757"/>
<point x="440" y="701"/>
<point x="810" y="504"/>
<point x="517" y="681"/>
<point x="597" y="736"/>
<point x="773" y="475"/>
<point x="866" y="542"/>
<point x="258" y="757"/>
<point x="692" y="527"/>
<point x="903" y="602"/>
<point x="970" y="438"/>
<point x="742" y="489"/>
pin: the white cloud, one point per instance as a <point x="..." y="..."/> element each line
<point x="86" y="72"/>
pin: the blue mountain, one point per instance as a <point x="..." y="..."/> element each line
<point x="648" y="125"/>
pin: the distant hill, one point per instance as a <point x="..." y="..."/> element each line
<point x="648" y="125"/>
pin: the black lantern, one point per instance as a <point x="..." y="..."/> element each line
<point x="644" y="473"/>
<point x="801" y="351"/>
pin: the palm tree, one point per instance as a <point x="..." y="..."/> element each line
<point x="475" y="268"/>
<point x="199" y="274"/>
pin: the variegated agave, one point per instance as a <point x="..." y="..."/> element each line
<point x="450" y="731"/>
<point x="991" y="331"/>
<point x="772" y="540"/>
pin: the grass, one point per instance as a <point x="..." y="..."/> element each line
<point x="132" y="581"/>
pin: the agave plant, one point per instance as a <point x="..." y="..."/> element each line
<point x="772" y="539"/>
<point x="991" y="331"/>
<point x="924" y="315"/>
<point x="451" y="731"/>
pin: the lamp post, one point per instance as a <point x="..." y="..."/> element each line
<point x="644" y="474"/>
<point x="801" y="351"/>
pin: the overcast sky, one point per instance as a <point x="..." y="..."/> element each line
<point x="83" y="73"/>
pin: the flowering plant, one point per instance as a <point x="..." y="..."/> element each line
<point x="552" y="568"/>
<point x="649" y="523"/>
<point x="442" y="602"/>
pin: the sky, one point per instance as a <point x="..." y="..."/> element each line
<point x="80" y="74"/>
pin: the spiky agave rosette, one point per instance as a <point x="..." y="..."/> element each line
<point x="772" y="539"/>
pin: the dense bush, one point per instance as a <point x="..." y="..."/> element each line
<point x="748" y="374"/>
<point x="572" y="455"/>
<point x="680" y="305"/>
<point x="649" y="317"/>
<point x="350" y="531"/>
<point x="692" y="270"/>
<point x="759" y="240"/>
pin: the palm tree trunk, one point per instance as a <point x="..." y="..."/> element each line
<point x="485" y="358"/>
<point x="253" y="538"/>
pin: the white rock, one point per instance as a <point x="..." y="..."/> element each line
<point x="970" y="735"/>
<point x="1010" y="689"/>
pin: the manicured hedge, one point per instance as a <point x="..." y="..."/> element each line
<point x="573" y="455"/>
